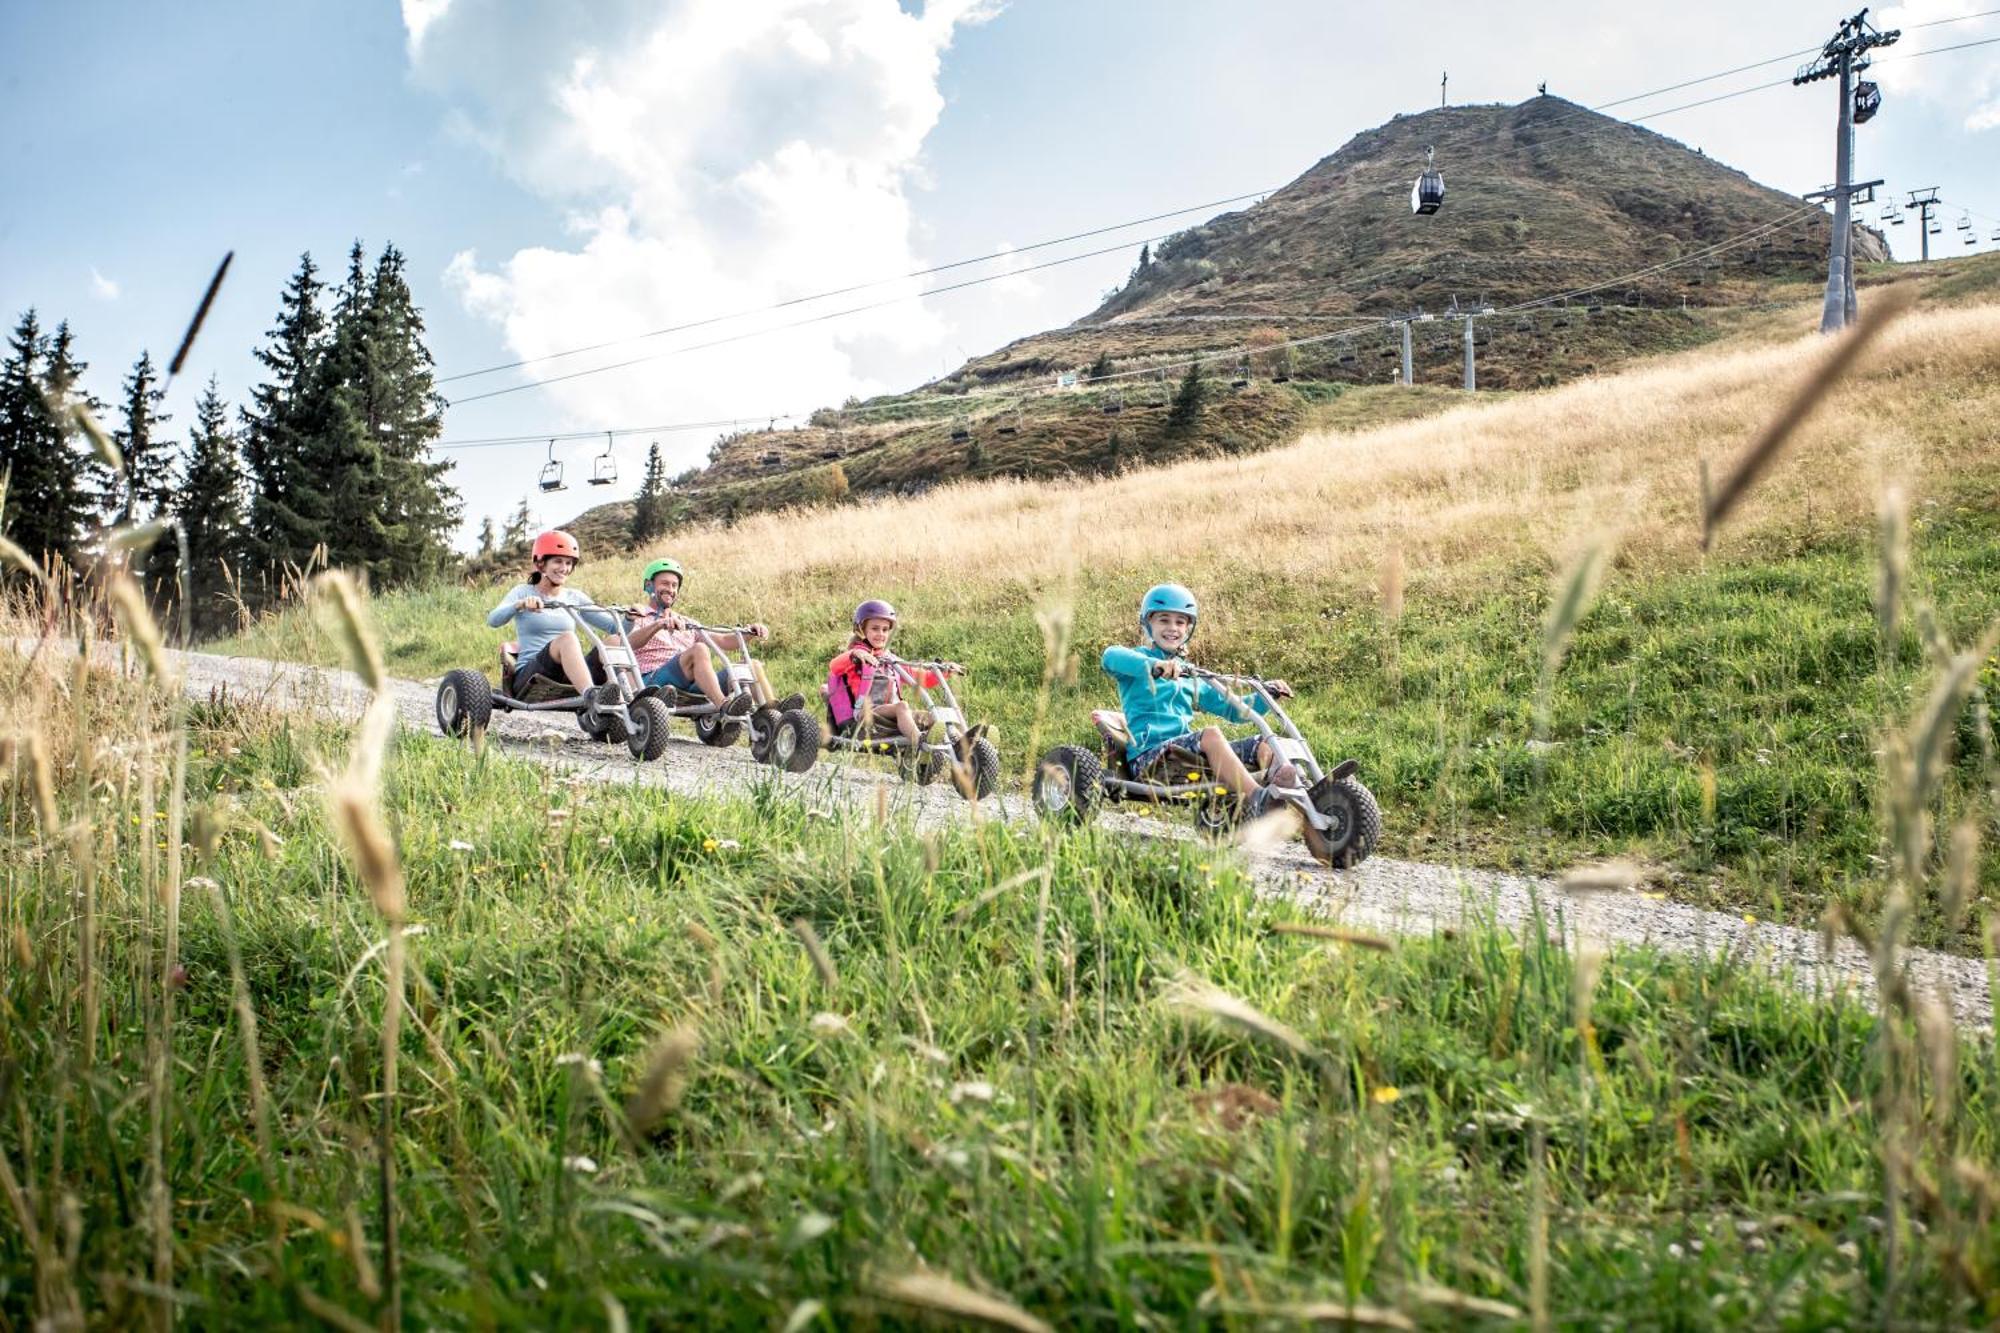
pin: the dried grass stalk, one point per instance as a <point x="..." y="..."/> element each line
<point x="350" y="620"/>
<point x="1764" y="450"/>
<point x="1190" y="994"/>
<point x="1444" y="1298"/>
<point x="821" y="960"/>
<point x="1334" y="1313"/>
<point x="1892" y="565"/>
<point x="1333" y="933"/>
<point x="1603" y="877"/>
<point x="947" y="1299"/>
<point x="136" y="618"/>
<point x="665" y="1079"/>
<point x="200" y="315"/>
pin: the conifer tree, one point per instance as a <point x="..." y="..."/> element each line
<point x="143" y="492"/>
<point x="209" y="504"/>
<point x="288" y="515"/>
<point x="649" y="507"/>
<point x="407" y="414"/>
<point x="516" y="532"/>
<point x="489" y="538"/>
<point x="46" y="509"/>
<point x="1185" y="414"/>
<point x="343" y="453"/>
<point x="1100" y="369"/>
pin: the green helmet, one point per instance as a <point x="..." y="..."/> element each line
<point x="659" y="567"/>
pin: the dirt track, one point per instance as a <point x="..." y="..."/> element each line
<point x="1402" y="897"/>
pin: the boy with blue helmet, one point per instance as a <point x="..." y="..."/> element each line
<point x="1160" y="698"/>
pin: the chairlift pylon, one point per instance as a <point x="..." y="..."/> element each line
<point x="604" y="468"/>
<point x="1427" y="194"/>
<point x="552" y="471"/>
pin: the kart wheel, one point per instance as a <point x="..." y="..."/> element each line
<point x="794" y="741"/>
<point x="717" y="730"/>
<point x="601" y="726"/>
<point x="1068" y="785"/>
<point x="983" y="769"/>
<point x="1217" y="816"/>
<point x="464" y="703"/>
<point x="646" y="738"/>
<point x="1356" y="828"/>
<point x="763" y="724"/>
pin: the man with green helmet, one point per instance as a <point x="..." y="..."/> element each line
<point x="671" y="653"/>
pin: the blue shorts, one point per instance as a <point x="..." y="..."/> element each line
<point x="670" y="676"/>
<point x="1246" y="750"/>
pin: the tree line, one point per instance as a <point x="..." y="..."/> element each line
<point x="333" y="450"/>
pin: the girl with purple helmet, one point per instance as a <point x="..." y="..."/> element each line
<point x="864" y="683"/>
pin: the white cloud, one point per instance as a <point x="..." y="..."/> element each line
<point x="1016" y="286"/>
<point x="101" y="287"/>
<point x="419" y="15"/>
<point x="1970" y="89"/>
<point x="718" y="156"/>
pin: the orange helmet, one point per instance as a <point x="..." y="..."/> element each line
<point x="557" y="542"/>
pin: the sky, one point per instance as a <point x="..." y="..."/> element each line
<point x="562" y="173"/>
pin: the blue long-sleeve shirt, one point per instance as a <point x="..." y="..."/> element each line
<point x="1158" y="711"/>
<point x="533" y="629"/>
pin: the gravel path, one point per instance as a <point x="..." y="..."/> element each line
<point x="1385" y="895"/>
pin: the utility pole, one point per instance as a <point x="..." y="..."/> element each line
<point x="1844" y="55"/>
<point x="1924" y="207"/>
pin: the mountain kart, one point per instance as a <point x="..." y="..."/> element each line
<point x="619" y="709"/>
<point x="1342" y="819"/>
<point x="966" y="754"/>
<point x="782" y="733"/>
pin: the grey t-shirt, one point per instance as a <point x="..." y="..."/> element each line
<point x="534" y="629"/>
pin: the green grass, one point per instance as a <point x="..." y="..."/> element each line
<point x="1000" y="1092"/>
<point x="1759" y="667"/>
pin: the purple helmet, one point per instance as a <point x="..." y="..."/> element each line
<point x="873" y="609"/>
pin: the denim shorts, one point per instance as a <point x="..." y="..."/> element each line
<point x="1246" y="750"/>
<point x="670" y="675"/>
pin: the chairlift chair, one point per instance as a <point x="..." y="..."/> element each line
<point x="1346" y="355"/>
<point x="1965" y="222"/>
<point x="1114" y="404"/>
<point x="1867" y="101"/>
<point x="1011" y="423"/>
<point x="552" y="471"/>
<point x="1242" y="377"/>
<point x="1427" y="194"/>
<point x="961" y="430"/>
<point x="604" y="468"/>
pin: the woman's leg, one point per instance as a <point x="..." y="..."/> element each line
<point x="567" y="651"/>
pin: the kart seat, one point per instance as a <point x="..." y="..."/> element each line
<point x="540" y="690"/>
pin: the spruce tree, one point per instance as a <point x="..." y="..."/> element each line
<point x="209" y="506"/>
<point x="1185" y="414"/>
<point x="516" y="532"/>
<point x="405" y="412"/>
<point x="147" y="485"/>
<point x="288" y="515"/>
<point x="46" y="509"/>
<point x="1100" y="369"/>
<point x="649" y="507"/>
<point x="489" y="539"/>
<point x="343" y="451"/>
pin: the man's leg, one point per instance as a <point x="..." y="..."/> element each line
<point x="696" y="665"/>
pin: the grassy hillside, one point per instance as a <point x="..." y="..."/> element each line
<point x="742" y="1065"/>
<point x="1718" y="717"/>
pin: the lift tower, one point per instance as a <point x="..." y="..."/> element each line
<point x="1844" y="55"/>
<point x="1924" y="206"/>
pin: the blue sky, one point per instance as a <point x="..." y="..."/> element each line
<point x="562" y="173"/>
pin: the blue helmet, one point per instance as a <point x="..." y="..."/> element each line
<point x="1166" y="597"/>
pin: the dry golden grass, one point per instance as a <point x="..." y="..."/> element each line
<point x="1525" y="477"/>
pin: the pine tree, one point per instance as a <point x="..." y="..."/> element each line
<point x="489" y="539"/>
<point x="1100" y="369"/>
<point x="518" y="523"/>
<point x="209" y="506"/>
<point x="1145" y="256"/>
<point x="406" y="414"/>
<point x="46" y="508"/>
<point x="1185" y="414"/>
<point x="343" y="455"/>
<point x="288" y="515"/>
<point x="649" y="507"/>
<point x="147" y="485"/>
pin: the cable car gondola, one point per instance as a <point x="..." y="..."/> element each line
<point x="604" y="468"/>
<point x="1867" y="101"/>
<point x="1427" y="195"/>
<point x="552" y="471"/>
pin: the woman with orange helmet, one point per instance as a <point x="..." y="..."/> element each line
<point x="548" y="642"/>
